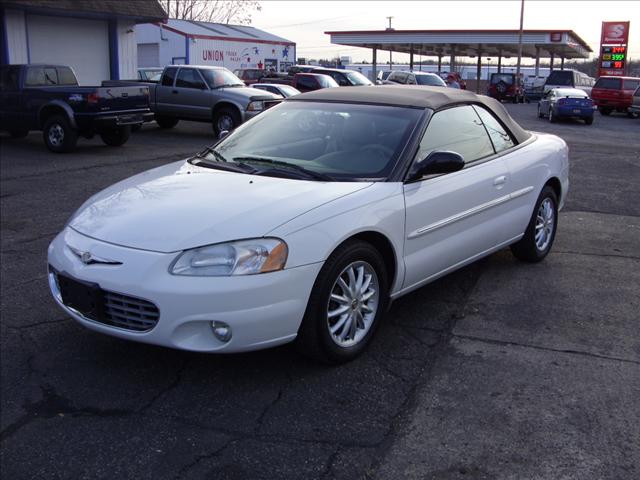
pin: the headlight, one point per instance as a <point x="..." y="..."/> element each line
<point x="255" y="106"/>
<point x="244" y="257"/>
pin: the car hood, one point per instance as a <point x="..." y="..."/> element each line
<point x="180" y="206"/>
<point x="244" y="94"/>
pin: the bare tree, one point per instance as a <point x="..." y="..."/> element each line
<point x="217" y="11"/>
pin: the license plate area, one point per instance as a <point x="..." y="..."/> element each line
<point x="87" y="298"/>
<point x="576" y="110"/>
<point x="129" y="119"/>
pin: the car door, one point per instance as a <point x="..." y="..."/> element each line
<point x="192" y="95"/>
<point x="11" y="111"/>
<point x="452" y="219"/>
<point x="164" y="97"/>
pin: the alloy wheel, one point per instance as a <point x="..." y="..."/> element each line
<point x="545" y="223"/>
<point x="353" y="304"/>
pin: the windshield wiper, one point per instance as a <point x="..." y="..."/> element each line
<point x="220" y="162"/>
<point x="293" y="166"/>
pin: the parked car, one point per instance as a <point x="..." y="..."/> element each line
<point x="533" y="87"/>
<point x="306" y="82"/>
<point x="614" y="93"/>
<point x="634" y="109"/>
<point x="303" y="224"/>
<point x="454" y="76"/>
<point x="48" y="98"/>
<point x="282" y="90"/>
<point x="415" y="78"/>
<point x="150" y="74"/>
<point x="382" y="76"/>
<point x="202" y="94"/>
<point x="250" y="75"/>
<point x="569" y="79"/>
<point x="560" y="103"/>
<point x="345" y="78"/>
<point x="503" y="86"/>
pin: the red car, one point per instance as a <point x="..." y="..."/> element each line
<point x="614" y="93"/>
<point x="502" y="86"/>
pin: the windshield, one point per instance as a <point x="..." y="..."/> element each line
<point x="356" y="78"/>
<point x="288" y="91"/>
<point x="220" y="77"/>
<point x="497" y="78"/>
<point x="347" y="142"/>
<point x="432" y="80"/>
<point x="560" y="78"/>
<point x="326" y="81"/>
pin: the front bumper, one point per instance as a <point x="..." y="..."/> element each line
<point x="262" y="310"/>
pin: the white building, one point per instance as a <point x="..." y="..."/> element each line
<point x="202" y="43"/>
<point x="94" y="37"/>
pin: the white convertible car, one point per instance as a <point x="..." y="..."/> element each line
<point x="304" y="223"/>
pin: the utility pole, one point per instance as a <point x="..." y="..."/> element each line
<point x="390" y="57"/>
<point x="520" y="44"/>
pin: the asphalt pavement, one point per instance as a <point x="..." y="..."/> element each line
<point x="502" y="370"/>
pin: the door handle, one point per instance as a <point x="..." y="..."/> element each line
<point x="174" y="91"/>
<point x="498" y="181"/>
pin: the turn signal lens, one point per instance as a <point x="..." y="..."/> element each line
<point x="276" y="259"/>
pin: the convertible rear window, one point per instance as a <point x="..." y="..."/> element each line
<point x="348" y="142"/>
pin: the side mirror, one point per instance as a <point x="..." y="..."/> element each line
<point x="222" y="134"/>
<point x="437" y="162"/>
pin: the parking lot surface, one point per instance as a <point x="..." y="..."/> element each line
<point x="500" y="370"/>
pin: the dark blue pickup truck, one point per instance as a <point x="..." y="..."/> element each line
<point x="48" y="98"/>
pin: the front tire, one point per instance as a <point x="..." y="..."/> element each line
<point x="225" y="118"/>
<point x="116" y="137"/>
<point x="59" y="136"/>
<point x="552" y="117"/>
<point x="588" y="120"/>
<point x="538" y="239"/>
<point x="540" y="114"/>
<point x="346" y="304"/>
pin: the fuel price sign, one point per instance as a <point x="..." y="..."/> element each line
<point x="613" y="57"/>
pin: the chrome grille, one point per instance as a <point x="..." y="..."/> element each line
<point x="129" y="312"/>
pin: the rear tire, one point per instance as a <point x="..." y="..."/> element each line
<point x="541" y="231"/>
<point x="338" y="325"/>
<point x="552" y="117"/>
<point x="604" y="111"/>
<point x="166" y="122"/>
<point x="117" y="137"/>
<point x="588" y="120"/>
<point x="59" y="136"/>
<point x="540" y="114"/>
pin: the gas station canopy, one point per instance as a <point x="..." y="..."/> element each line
<point x="469" y="43"/>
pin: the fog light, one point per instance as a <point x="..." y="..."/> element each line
<point x="221" y="330"/>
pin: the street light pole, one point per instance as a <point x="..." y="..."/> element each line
<point x="390" y="57"/>
<point x="520" y="44"/>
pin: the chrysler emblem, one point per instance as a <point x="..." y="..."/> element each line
<point x="89" y="259"/>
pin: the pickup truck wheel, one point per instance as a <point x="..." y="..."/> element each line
<point x="225" y="119"/>
<point x="58" y="134"/>
<point x="166" y="122"/>
<point x="18" y="133"/>
<point x="117" y="137"/>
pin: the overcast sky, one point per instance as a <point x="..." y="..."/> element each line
<point x="304" y="22"/>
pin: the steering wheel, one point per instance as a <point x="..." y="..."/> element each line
<point x="379" y="150"/>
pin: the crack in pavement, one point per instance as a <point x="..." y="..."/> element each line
<point x="327" y="472"/>
<point x="604" y="255"/>
<point x="436" y="351"/>
<point x="51" y="405"/>
<point x="269" y="406"/>
<point x="201" y="458"/>
<point x="546" y="349"/>
<point x="39" y="324"/>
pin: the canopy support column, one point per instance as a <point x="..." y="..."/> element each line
<point x="439" y="62"/>
<point x="411" y="58"/>
<point x="452" y="62"/>
<point x="561" y="63"/>
<point x="537" y="61"/>
<point x="551" y="63"/>
<point x="479" y="71"/>
<point x="499" y="61"/>
<point x="374" y="66"/>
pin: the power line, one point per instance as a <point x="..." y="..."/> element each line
<point x="308" y="23"/>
